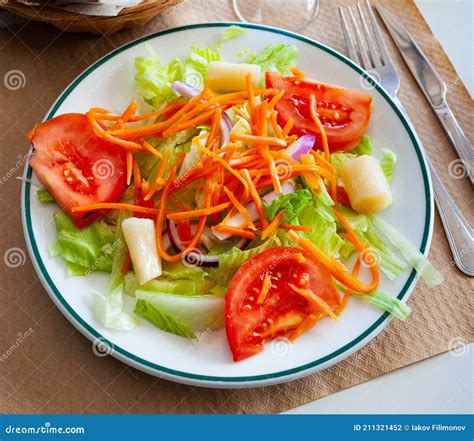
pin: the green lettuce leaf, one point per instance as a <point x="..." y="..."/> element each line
<point x="338" y="160"/>
<point x="88" y="250"/>
<point x="230" y="263"/>
<point x="386" y="303"/>
<point x="178" y="270"/>
<point x="388" y="161"/>
<point x="416" y="259"/>
<point x="324" y="234"/>
<point x="363" y="148"/>
<point x="108" y="308"/>
<point x="276" y="57"/>
<point x="198" y="313"/>
<point x="154" y="78"/>
<point x="292" y="203"/>
<point x="187" y="287"/>
<point x="390" y="264"/>
<point x="44" y="195"/>
<point x="161" y="320"/>
<point x="231" y="32"/>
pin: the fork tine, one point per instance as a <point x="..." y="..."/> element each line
<point x="347" y="36"/>
<point x="386" y="59"/>
<point x="366" y="64"/>
<point x="368" y="38"/>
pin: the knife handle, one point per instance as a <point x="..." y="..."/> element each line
<point x="459" y="140"/>
<point x="459" y="233"/>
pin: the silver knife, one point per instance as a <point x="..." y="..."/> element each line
<point x="432" y="86"/>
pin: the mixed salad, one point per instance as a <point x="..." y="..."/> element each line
<point x="226" y="195"/>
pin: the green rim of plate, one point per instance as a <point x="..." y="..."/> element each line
<point x="205" y="378"/>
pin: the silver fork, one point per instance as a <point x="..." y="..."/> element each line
<point x="368" y="50"/>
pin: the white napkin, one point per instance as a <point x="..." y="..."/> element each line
<point x="105" y="8"/>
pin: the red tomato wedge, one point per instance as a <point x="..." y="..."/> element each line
<point x="344" y="113"/>
<point x="260" y="303"/>
<point x="76" y="166"/>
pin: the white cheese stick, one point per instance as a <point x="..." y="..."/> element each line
<point x="230" y="77"/>
<point x="141" y="241"/>
<point x="366" y="185"/>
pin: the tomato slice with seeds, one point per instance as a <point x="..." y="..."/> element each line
<point x="76" y="166"/>
<point x="252" y="319"/>
<point x="344" y="113"/>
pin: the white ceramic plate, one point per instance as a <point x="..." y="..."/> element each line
<point x="109" y="83"/>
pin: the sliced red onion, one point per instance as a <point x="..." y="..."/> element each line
<point x="237" y="220"/>
<point x="226" y="126"/>
<point x="302" y="146"/>
<point x="185" y="89"/>
<point x="195" y="257"/>
<point x="165" y="240"/>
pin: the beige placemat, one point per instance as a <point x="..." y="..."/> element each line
<point x="47" y="366"/>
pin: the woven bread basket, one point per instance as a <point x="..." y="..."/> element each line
<point x="44" y="10"/>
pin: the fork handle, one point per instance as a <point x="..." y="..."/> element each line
<point x="458" y="139"/>
<point x="459" y="233"/>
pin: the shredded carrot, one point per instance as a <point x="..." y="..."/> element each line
<point x="199" y="212"/>
<point x="203" y="117"/>
<point x="214" y="134"/>
<point x="137" y="179"/>
<point x="216" y="194"/>
<point x="223" y="162"/>
<point x="317" y="121"/>
<point x="113" y="206"/>
<point x="100" y="110"/>
<point x="161" y="216"/>
<point x="317" y="302"/>
<point x="275" y="126"/>
<point x="305" y="228"/>
<point x="168" y="109"/>
<point x="154" y="129"/>
<point x="253" y="139"/>
<point x="336" y="268"/>
<point x="288" y="126"/>
<point x="299" y="74"/>
<point x="241" y="209"/>
<point x="126" y="115"/>
<point x="323" y="161"/>
<point x="307" y="324"/>
<point x="239" y="112"/>
<point x="256" y="198"/>
<point x="107" y="117"/>
<point x="158" y="179"/>
<point x="347" y="292"/>
<point x="151" y="149"/>
<point x="266" y="285"/>
<point x="275" y="99"/>
<point x="99" y="131"/>
<point x="311" y="177"/>
<point x="353" y="236"/>
<point x="273" y="225"/>
<point x="236" y="231"/>
<point x="129" y="166"/>
<point x="251" y="101"/>
<point x="273" y="170"/>
<point x="263" y="123"/>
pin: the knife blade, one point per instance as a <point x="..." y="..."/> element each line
<point x="432" y="86"/>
